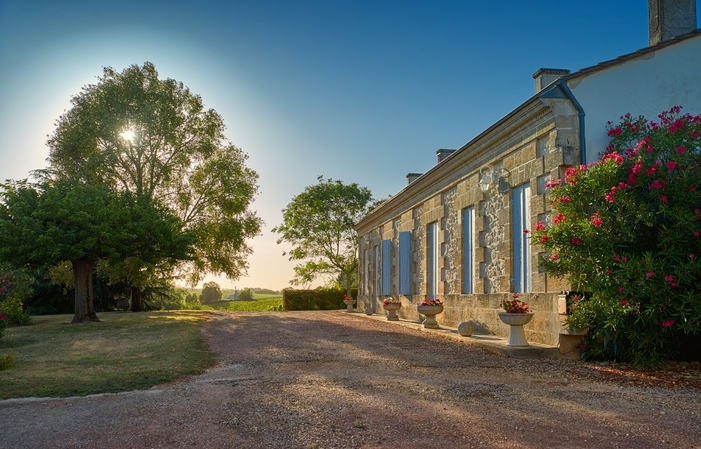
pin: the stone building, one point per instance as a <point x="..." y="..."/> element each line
<point x="459" y="231"/>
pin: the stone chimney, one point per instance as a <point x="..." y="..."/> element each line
<point x="443" y="153"/>
<point x="670" y="18"/>
<point x="411" y="177"/>
<point x="543" y="77"/>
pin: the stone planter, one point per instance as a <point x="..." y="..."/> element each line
<point x="516" y="321"/>
<point x="349" y="305"/>
<point x="430" y="313"/>
<point x="391" y="309"/>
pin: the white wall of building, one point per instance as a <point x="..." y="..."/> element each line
<point x="648" y="85"/>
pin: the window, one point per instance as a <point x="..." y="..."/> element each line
<point x="522" y="247"/>
<point x="386" y="267"/>
<point x="468" y="250"/>
<point x="432" y="259"/>
<point x="405" y="263"/>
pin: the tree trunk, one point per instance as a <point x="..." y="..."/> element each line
<point x="137" y="305"/>
<point x="82" y="278"/>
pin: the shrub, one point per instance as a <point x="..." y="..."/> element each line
<point x="246" y="295"/>
<point x="319" y="299"/>
<point x="628" y="229"/>
<point x="7" y="361"/>
<point x="4" y="323"/>
<point x="13" y="308"/>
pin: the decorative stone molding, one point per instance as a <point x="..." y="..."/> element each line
<point x="494" y="235"/>
<point x="451" y="242"/>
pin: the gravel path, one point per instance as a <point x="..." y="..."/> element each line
<point x="335" y="380"/>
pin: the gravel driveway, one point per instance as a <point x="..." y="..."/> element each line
<point x="337" y="380"/>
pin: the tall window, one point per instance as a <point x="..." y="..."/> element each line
<point x="366" y="272"/>
<point x="405" y="263"/>
<point x="522" y="247"/>
<point x="432" y="259"/>
<point x="386" y="267"/>
<point x="468" y="250"/>
<point x="376" y="286"/>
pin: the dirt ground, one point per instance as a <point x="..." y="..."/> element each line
<point x="336" y="380"/>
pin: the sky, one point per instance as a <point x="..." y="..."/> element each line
<point x="361" y="91"/>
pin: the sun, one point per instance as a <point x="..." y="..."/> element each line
<point x="128" y="135"/>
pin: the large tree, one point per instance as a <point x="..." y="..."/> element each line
<point x="137" y="133"/>
<point x="319" y="224"/>
<point x="43" y="225"/>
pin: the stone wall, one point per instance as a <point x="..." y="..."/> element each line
<point x="532" y="148"/>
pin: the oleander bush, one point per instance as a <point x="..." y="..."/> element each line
<point x="627" y="229"/>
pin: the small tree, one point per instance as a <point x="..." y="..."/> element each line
<point x="246" y="294"/>
<point x="210" y="292"/>
<point x="319" y="224"/>
<point x="627" y="229"/>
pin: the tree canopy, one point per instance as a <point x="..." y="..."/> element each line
<point x="136" y="133"/>
<point x="319" y="224"/>
<point x="43" y="225"/>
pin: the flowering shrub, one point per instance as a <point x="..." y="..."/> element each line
<point x="628" y="229"/>
<point x="347" y="298"/>
<point x="515" y="305"/>
<point x="390" y="300"/>
<point x="430" y="302"/>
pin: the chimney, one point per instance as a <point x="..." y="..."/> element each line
<point x="543" y="77"/>
<point x="668" y="19"/>
<point x="443" y="153"/>
<point x="411" y="177"/>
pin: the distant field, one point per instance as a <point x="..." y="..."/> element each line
<point x="260" y="303"/>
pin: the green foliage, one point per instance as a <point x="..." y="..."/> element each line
<point x="319" y="299"/>
<point x="627" y="229"/>
<point x="210" y="292"/>
<point x="46" y="224"/>
<point x="318" y="223"/>
<point x="13" y="308"/>
<point x="7" y="361"/>
<point x="246" y="295"/>
<point x="137" y="133"/>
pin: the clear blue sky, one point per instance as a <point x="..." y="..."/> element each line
<point x="361" y="91"/>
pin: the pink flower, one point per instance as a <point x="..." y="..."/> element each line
<point x="638" y="167"/>
<point x="692" y="255"/>
<point x="564" y="199"/>
<point x="525" y="231"/>
<point x="544" y="239"/>
<point x="615" y="132"/>
<point x="624" y="302"/>
<point x="597" y="222"/>
<point x="554" y="183"/>
<point x="575" y="241"/>
<point x="672" y="281"/>
<point x="614" y="156"/>
<point x="697" y="233"/>
<point x="555" y="258"/>
<point x="681" y="149"/>
<point x="671" y="165"/>
<point x="656" y="184"/>
<point x="667" y="323"/>
<point x="663" y="198"/>
<point x="676" y="126"/>
<point x="559" y="218"/>
<point x="650" y="274"/>
<point x="540" y="226"/>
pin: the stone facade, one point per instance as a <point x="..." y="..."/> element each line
<point x="526" y="148"/>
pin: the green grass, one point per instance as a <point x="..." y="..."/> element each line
<point x="260" y="303"/>
<point x="126" y="351"/>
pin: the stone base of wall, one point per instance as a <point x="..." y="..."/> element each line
<point x="483" y="310"/>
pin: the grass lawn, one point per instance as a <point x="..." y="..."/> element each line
<point x="126" y="351"/>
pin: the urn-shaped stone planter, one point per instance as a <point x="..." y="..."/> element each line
<point x="516" y="321"/>
<point x="349" y="305"/>
<point x="391" y="309"/>
<point x="430" y="313"/>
